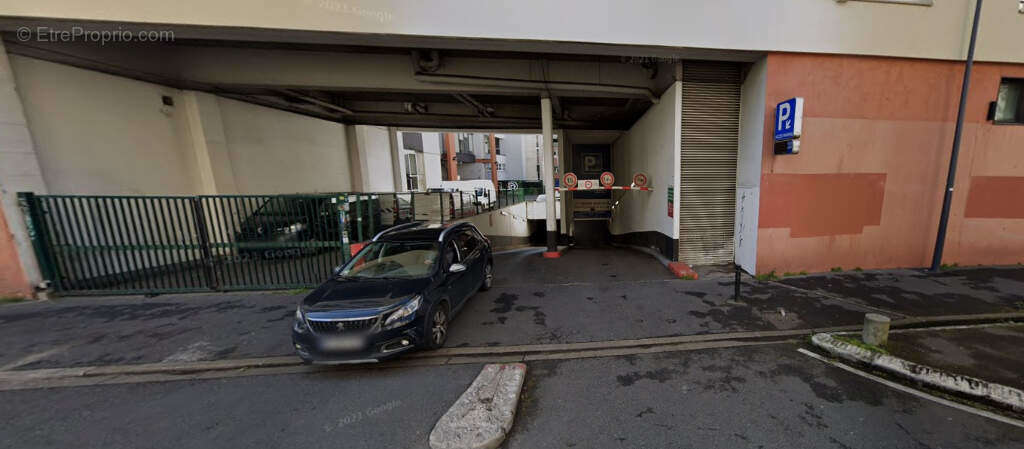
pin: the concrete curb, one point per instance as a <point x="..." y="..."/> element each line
<point x="483" y="415"/>
<point x="516" y="352"/>
<point x="933" y="377"/>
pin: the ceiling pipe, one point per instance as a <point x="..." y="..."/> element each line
<point x="536" y="87"/>
<point x="316" y="101"/>
<point x="467" y="100"/>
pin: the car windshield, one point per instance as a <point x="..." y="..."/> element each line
<point x="393" y="259"/>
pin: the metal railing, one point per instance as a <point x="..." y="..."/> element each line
<point x="88" y="244"/>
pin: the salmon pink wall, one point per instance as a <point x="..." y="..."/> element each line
<point x="13" y="282"/>
<point x="866" y="188"/>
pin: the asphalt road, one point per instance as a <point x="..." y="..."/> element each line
<point x="766" y="396"/>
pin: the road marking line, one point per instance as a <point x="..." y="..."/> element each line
<point x="920" y="394"/>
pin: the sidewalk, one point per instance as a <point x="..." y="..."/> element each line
<point x="612" y="303"/>
<point x="919" y="293"/>
<point x="988" y="353"/>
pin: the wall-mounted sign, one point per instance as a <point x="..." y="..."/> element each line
<point x="640" y="180"/>
<point x="570" y="179"/>
<point x="788" y="147"/>
<point x="671" y="201"/>
<point x="789" y="119"/>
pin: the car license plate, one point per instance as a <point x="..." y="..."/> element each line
<point x="346" y="343"/>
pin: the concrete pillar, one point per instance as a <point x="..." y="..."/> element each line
<point x="494" y="161"/>
<point x="549" y="178"/>
<point x="397" y="164"/>
<point x="876" y="329"/>
<point x="19" y="172"/>
<point x="206" y="131"/>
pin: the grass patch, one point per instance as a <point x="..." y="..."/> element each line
<point x="687" y="277"/>
<point x="769" y="276"/>
<point x="299" y="291"/>
<point x="835" y="269"/>
<point x="858" y="269"/>
<point x="945" y="267"/>
<point x="11" y="299"/>
<point x="860" y="344"/>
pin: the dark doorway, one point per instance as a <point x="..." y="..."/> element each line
<point x="590" y="226"/>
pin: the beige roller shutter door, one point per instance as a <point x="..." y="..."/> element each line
<point x="710" y="141"/>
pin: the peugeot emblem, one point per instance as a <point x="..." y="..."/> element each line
<point x="341" y="325"/>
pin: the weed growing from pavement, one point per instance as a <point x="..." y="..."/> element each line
<point x="858" y="269"/>
<point x="769" y="276"/>
<point x="11" y="299"/>
<point x="945" y="267"/>
<point x="860" y="344"/>
<point x="836" y="269"/>
<point x="299" y="291"/>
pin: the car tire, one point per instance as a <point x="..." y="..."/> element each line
<point x="488" y="277"/>
<point x="437" y="321"/>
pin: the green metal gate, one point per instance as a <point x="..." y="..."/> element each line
<point x="162" y="244"/>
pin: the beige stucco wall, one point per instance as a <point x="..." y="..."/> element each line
<point x="824" y="26"/>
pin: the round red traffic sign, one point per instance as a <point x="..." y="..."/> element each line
<point x="640" y="180"/>
<point x="570" y="179"/>
<point x="607" y="179"/>
<point x="588" y="184"/>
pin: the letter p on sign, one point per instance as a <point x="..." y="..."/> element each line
<point x="788" y="118"/>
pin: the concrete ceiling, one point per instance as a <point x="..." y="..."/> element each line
<point x="403" y="86"/>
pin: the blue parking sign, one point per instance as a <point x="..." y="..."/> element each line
<point x="788" y="119"/>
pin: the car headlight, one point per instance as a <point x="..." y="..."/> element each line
<point x="300" y="322"/>
<point x="404" y="314"/>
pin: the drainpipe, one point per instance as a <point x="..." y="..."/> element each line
<point x="940" y="239"/>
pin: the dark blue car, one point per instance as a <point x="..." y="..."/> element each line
<point x="400" y="292"/>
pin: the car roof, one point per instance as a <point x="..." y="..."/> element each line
<point x="418" y="232"/>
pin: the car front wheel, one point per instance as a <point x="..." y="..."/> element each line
<point x="488" y="277"/>
<point x="437" y="327"/>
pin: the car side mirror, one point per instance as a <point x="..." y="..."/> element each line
<point x="456" y="268"/>
<point x="336" y="271"/>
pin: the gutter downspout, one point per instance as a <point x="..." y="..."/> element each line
<point x="940" y="239"/>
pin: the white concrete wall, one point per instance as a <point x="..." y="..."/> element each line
<point x="508" y="221"/>
<point x="102" y="134"/>
<point x="273" y="151"/>
<point x="824" y="26"/>
<point x="432" y="152"/>
<point x="371" y="158"/>
<point x="748" y="165"/>
<point x="650" y="146"/>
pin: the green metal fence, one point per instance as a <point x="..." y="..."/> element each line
<point x="161" y="244"/>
